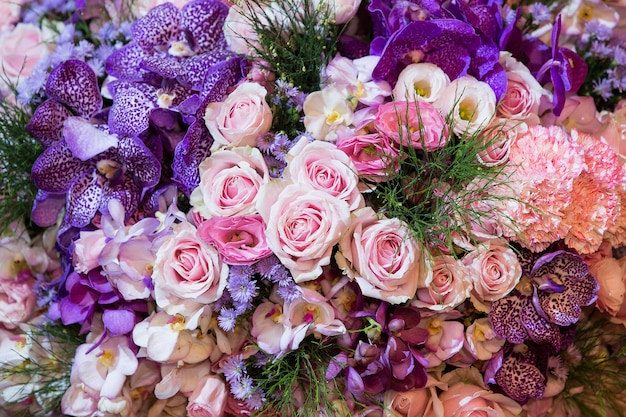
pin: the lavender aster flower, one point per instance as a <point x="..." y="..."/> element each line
<point x="227" y="319"/>
<point x="540" y="13"/>
<point x="242" y="388"/>
<point x="242" y="288"/>
<point x="234" y="368"/>
<point x="603" y="88"/>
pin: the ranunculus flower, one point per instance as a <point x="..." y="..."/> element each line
<point x="467" y="396"/>
<point x="413" y="123"/>
<point x="242" y="117"/>
<point x="238" y="31"/>
<point x="240" y="239"/>
<point x="188" y="272"/>
<point x="229" y="182"/>
<point x="20" y="50"/>
<point x="470" y="103"/>
<point x="17" y="300"/>
<point x="450" y="286"/>
<point x="321" y="166"/>
<point x="341" y="10"/>
<point x="494" y="269"/>
<point x="326" y="112"/>
<point x="208" y="399"/>
<point x="611" y="275"/>
<point x="421" y="81"/>
<point x="383" y="257"/>
<point x="420" y="402"/>
<point x="372" y="154"/>
<point x="303" y="226"/>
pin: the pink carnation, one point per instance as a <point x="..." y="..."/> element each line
<point x="546" y="163"/>
<point x="595" y="201"/>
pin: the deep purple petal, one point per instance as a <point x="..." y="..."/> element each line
<point x="562" y="309"/>
<point x="83" y="201"/>
<point x="520" y="380"/>
<point x="124" y="63"/>
<point x="125" y="191"/>
<point x="55" y="169"/>
<point x="46" y="123"/>
<point x="505" y="317"/>
<point x="157" y="27"/>
<point x="189" y="153"/>
<point x="195" y="68"/>
<point x="129" y="112"/>
<point x="140" y="161"/>
<point x="166" y="67"/>
<point x="118" y="321"/>
<point x="204" y="20"/>
<point x="74" y="84"/>
<point x="46" y="208"/>
<point x="219" y="79"/>
<point x="452" y="59"/>
<point x="538" y="329"/>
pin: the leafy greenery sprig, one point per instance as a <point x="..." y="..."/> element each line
<point x="295" y="39"/>
<point x="44" y="377"/>
<point x="18" y="152"/>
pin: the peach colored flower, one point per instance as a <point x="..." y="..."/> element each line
<point x="451" y="285"/>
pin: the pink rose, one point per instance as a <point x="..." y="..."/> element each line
<point x="411" y="403"/>
<point x="383" y="257"/>
<point x="523" y="92"/>
<point x="240" y="240"/>
<point x="494" y="269"/>
<point x="465" y="399"/>
<point x="322" y="166"/>
<point x="372" y="155"/>
<point x="450" y="286"/>
<point x="238" y="31"/>
<point x="20" y="50"/>
<point x="229" y="182"/>
<point x="188" y="272"/>
<point x="497" y="142"/>
<point x="208" y="399"/>
<point x="303" y="226"/>
<point x="342" y="10"/>
<point x="242" y="117"/>
<point x="418" y="124"/>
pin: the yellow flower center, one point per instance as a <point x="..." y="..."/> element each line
<point x="332" y="117"/>
<point x="108" y="168"/>
<point x="585" y="13"/>
<point x="276" y="314"/>
<point x="177" y="323"/>
<point x="422" y="89"/>
<point x="434" y="327"/>
<point x="107" y="358"/>
<point x="311" y="312"/>
<point x="466" y="111"/>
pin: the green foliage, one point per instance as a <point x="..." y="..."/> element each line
<point x="18" y="152"/>
<point x="429" y="190"/>
<point x="295" y="384"/>
<point x="294" y="39"/>
<point x="44" y="375"/>
<point x="597" y="368"/>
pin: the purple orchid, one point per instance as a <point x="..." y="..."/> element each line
<point x="92" y="166"/>
<point x="550" y="295"/>
<point x="461" y="40"/>
<point x="178" y="60"/>
<point x="566" y="70"/>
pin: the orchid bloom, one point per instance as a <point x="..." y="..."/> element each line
<point x="104" y="367"/>
<point x="567" y="70"/>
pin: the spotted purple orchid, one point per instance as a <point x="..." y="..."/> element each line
<point x="566" y="70"/>
<point x="83" y="161"/>
<point x="178" y="60"/>
<point x="549" y="296"/>
<point x="459" y="39"/>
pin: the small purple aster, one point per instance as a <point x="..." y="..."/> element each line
<point x="242" y="288"/>
<point x="603" y="88"/>
<point x="234" y="368"/>
<point x="242" y="388"/>
<point x="540" y="13"/>
<point x="227" y="319"/>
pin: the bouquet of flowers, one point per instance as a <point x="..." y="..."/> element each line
<point x="312" y="208"/>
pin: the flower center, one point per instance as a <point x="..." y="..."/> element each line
<point x="434" y="327"/>
<point x="311" y="312"/>
<point x="108" y="168"/>
<point x="466" y="110"/>
<point x="422" y="89"/>
<point x="180" y="48"/>
<point x="177" y="323"/>
<point x="107" y="358"/>
<point x="276" y="314"/>
<point x="332" y="117"/>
